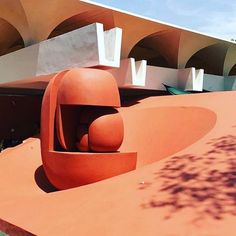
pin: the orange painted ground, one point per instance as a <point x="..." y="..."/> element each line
<point x="189" y="189"/>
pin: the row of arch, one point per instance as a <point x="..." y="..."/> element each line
<point x="12" y="40"/>
<point x="159" y="44"/>
<point x="211" y="58"/>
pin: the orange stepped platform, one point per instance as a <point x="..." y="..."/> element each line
<point x="184" y="183"/>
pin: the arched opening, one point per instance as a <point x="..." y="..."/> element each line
<point x="86" y="18"/>
<point x="211" y="59"/>
<point x="153" y="57"/>
<point x="10" y="38"/>
<point x="233" y="70"/>
<point x="159" y="49"/>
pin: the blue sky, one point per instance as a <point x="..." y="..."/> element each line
<point x="215" y="17"/>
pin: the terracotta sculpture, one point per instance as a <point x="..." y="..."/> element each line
<point x="81" y="131"/>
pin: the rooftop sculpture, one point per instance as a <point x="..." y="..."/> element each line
<point x="81" y="131"/>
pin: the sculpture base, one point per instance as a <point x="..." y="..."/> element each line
<point x="72" y="169"/>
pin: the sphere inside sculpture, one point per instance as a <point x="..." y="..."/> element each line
<point x="89" y="128"/>
<point x="86" y="119"/>
<point x="100" y="129"/>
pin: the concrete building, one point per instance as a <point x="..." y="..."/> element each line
<point x="89" y="146"/>
<point x="158" y="43"/>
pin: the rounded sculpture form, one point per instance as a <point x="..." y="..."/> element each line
<point x="100" y="129"/>
<point x="106" y="133"/>
<point x="81" y="130"/>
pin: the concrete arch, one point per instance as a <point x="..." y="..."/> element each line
<point x="230" y="60"/>
<point x="43" y="16"/>
<point x="85" y="18"/>
<point x="159" y="49"/>
<point x="210" y="58"/>
<point x="233" y="70"/>
<point x="10" y="38"/>
<point x="13" y="12"/>
<point x="190" y="43"/>
<point x="136" y="30"/>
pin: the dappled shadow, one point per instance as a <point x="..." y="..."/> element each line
<point x="42" y="181"/>
<point x="204" y="183"/>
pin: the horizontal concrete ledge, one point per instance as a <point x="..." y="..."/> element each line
<point x="132" y="75"/>
<point x="138" y="74"/>
<point x="89" y="46"/>
<point x="219" y="83"/>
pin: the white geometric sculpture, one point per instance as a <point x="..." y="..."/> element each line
<point x="130" y="73"/>
<point x="85" y="47"/>
<point x="190" y="79"/>
<point x="109" y="46"/>
<point x="88" y="46"/>
<point x="139" y="74"/>
<point x="198" y="81"/>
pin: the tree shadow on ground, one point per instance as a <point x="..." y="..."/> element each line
<point x="204" y="183"/>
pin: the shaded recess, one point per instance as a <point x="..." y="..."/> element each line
<point x="86" y="18"/>
<point x="10" y="38"/>
<point x="210" y="58"/>
<point x="20" y="119"/>
<point x="233" y="70"/>
<point x="159" y="49"/>
<point x="42" y="180"/>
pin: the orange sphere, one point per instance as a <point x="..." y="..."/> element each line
<point x="106" y="133"/>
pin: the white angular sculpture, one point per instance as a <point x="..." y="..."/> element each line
<point x="198" y="81"/>
<point x="130" y="73"/>
<point x="85" y="47"/>
<point x="190" y="79"/>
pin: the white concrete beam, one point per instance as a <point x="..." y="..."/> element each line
<point x="109" y="46"/>
<point x="85" y="47"/>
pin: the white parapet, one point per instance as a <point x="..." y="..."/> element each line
<point x="198" y="81"/>
<point x="139" y="74"/>
<point x="190" y="79"/>
<point x="157" y="76"/>
<point x="130" y="73"/>
<point x="219" y="83"/>
<point x="85" y="47"/>
<point x="230" y="83"/>
<point x="109" y="46"/>
<point x="214" y="82"/>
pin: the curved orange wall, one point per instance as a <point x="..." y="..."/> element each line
<point x="156" y="133"/>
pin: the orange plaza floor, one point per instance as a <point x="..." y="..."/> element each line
<point x="184" y="183"/>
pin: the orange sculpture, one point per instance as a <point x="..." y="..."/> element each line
<point x="81" y="131"/>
